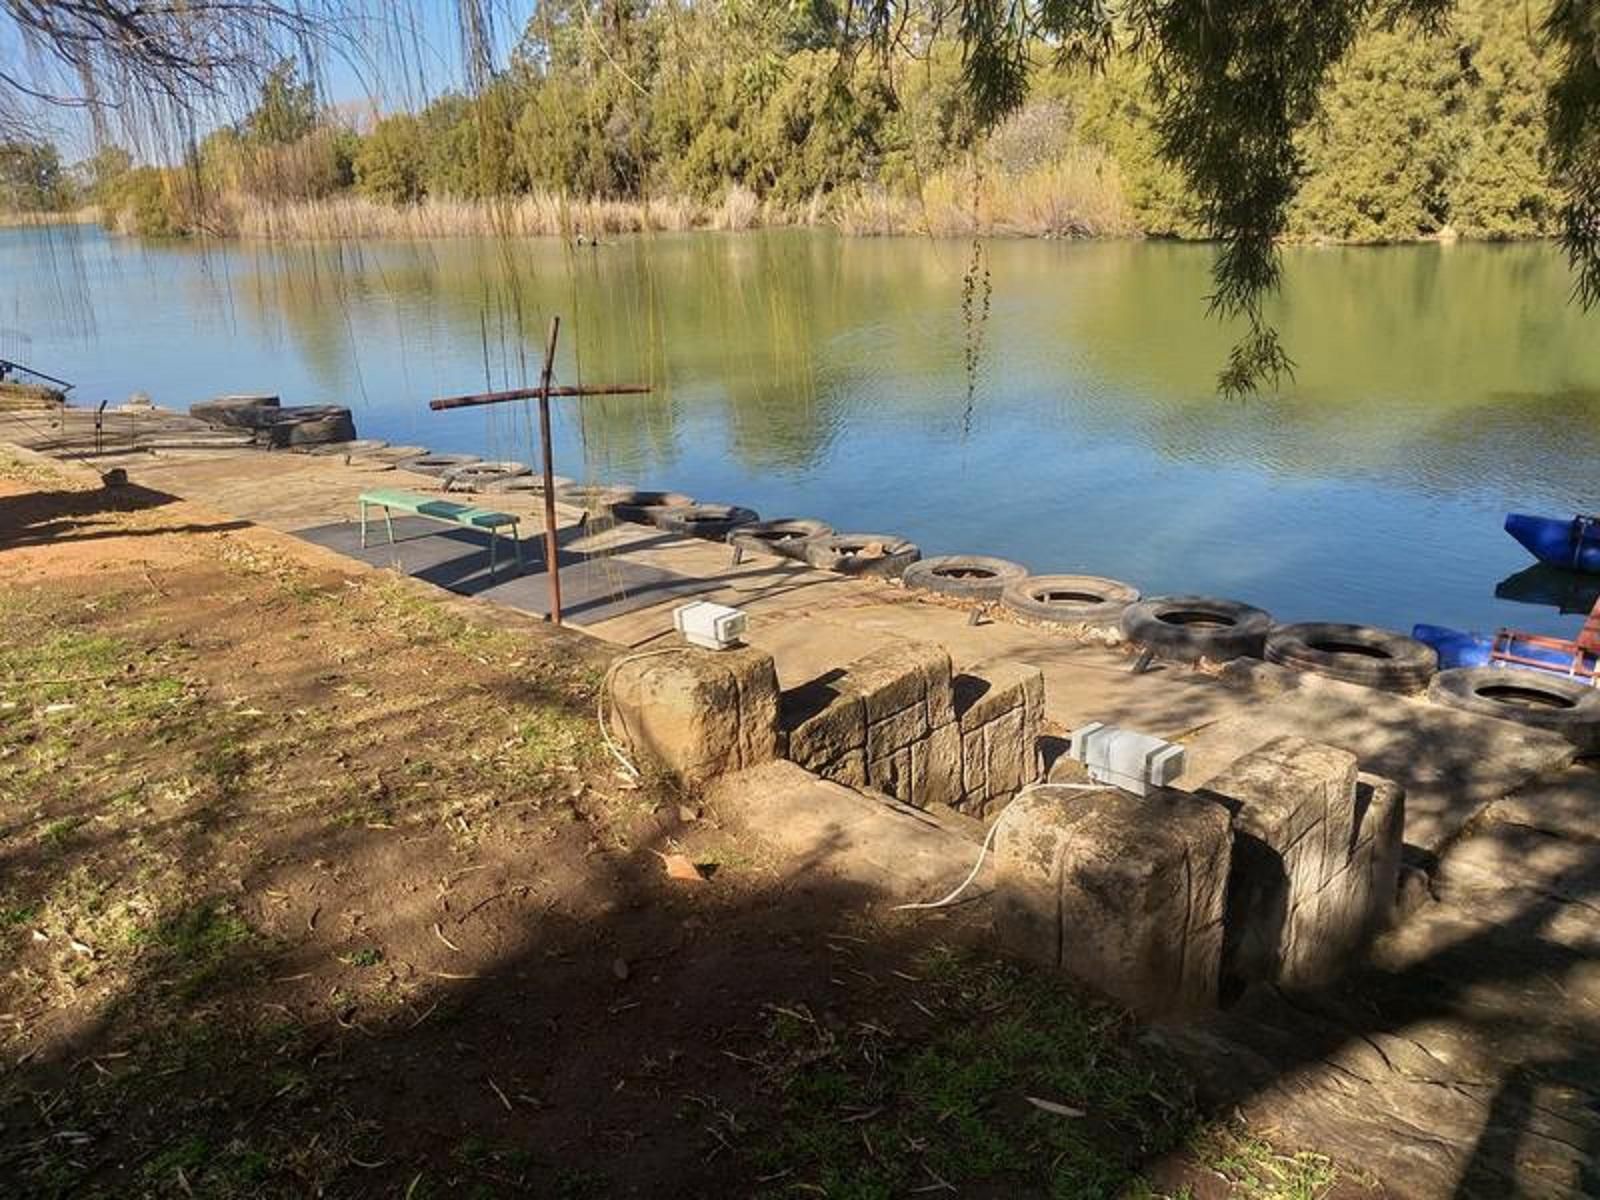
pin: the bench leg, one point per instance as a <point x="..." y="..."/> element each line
<point x="363" y="524"/>
<point x="494" y="541"/>
<point x="516" y="546"/>
<point x="388" y="521"/>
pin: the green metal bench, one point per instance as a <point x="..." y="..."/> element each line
<point x="392" y="500"/>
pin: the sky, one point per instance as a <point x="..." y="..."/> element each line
<point x="398" y="56"/>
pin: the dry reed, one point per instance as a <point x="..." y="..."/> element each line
<point x="1078" y="195"/>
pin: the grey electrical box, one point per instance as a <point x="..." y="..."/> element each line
<point x="1134" y="762"/>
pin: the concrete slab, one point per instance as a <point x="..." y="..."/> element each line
<point x="900" y="852"/>
<point x="592" y="587"/>
<point x="1567" y="804"/>
<point x="1451" y="764"/>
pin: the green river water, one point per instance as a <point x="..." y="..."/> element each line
<point x="807" y="374"/>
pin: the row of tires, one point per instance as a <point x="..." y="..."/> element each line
<point x="1190" y="628"/>
<point x="1185" y="628"/>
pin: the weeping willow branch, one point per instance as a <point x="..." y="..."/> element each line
<point x="154" y="56"/>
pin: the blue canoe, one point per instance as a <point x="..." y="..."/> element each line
<point x="1572" y="542"/>
<point x="1459" y="649"/>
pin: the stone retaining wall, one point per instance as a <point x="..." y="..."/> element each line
<point x="900" y="721"/>
<point x="698" y="713"/>
<point x="1280" y="872"/>
<point x="1316" y="861"/>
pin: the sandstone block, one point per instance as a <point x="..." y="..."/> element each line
<point x="891" y="774"/>
<point x="1304" y="891"/>
<point x="824" y="724"/>
<point x="1126" y="893"/>
<point x="1010" y="753"/>
<point x="897" y="730"/>
<point x="1285" y="788"/>
<point x="936" y="767"/>
<point x="986" y="690"/>
<point x="896" y="676"/>
<point x="974" y="768"/>
<point x="699" y="713"/>
<point x="1383" y="821"/>
<point x="850" y="770"/>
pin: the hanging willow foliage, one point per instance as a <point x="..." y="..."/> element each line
<point x="1236" y="81"/>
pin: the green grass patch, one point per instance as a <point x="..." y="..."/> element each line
<point x="1257" y="1171"/>
<point x="14" y="915"/>
<point x="57" y="835"/>
<point x="197" y="947"/>
<point x="869" y="1114"/>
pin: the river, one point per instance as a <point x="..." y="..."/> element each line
<point x="1073" y="426"/>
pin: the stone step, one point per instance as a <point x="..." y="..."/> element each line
<point x="890" y="849"/>
<point x="1450" y="763"/>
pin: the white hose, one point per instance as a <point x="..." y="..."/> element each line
<point x="988" y="840"/>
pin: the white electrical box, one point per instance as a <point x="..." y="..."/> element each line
<point x="714" y="626"/>
<point x="1134" y="762"/>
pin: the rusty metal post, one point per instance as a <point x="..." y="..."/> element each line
<point x="551" y="546"/>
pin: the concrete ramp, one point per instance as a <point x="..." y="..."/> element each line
<point x="1451" y="764"/>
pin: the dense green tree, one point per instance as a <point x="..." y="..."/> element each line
<point x="103" y="169"/>
<point x="389" y="165"/>
<point x="286" y="110"/>
<point x="31" y="178"/>
<point x="1383" y="156"/>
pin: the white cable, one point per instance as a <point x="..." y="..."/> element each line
<point x="600" y="708"/>
<point x="983" y="850"/>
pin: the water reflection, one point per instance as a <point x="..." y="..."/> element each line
<point x="1551" y="587"/>
<point x="807" y="374"/>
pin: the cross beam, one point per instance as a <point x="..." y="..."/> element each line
<point x="542" y="394"/>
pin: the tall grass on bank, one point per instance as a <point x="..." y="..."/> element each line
<point x="1078" y="195"/>
<point x="539" y="214"/>
<point x="87" y="215"/>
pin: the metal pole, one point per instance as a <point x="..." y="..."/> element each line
<point x="478" y="398"/>
<point x="551" y="548"/>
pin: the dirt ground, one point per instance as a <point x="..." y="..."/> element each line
<point x="315" y="883"/>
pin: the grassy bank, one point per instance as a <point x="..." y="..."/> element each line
<point x="313" y="885"/>
<point x="1080" y="195"/>
<point x="89" y="214"/>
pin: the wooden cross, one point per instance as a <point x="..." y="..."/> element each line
<point x="542" y="394"/>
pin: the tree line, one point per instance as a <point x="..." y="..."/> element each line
<point x="1417" y="135"/>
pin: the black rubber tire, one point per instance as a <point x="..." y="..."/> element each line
<point x="236" y="412"/>
<point x="1533" y="698"/>
<point x="312" y="426"/>
<point x="436" y="464"/>
<point x="640" y="507"/>
<point x="1189" y="628"/>
<point x="596" y="497"/>
<point x="842" y="552"/>
<point x="357" y="447"/>
<point x="967" y="576"/>
<point x="475" y="477"/>
<point x="528" y="483"/>
<point x="711" y="521"/>
<point x="396" y="454"/>
<point x="1364" y="654"/>
<point x="1069" y="599"/>
<point x="783" y="538"/>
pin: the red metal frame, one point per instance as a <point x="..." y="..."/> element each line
<point x="1585" y="651"/>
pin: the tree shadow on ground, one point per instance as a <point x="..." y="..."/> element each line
<point x="53" y="517"/>
<point x="525" y="1003"/>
